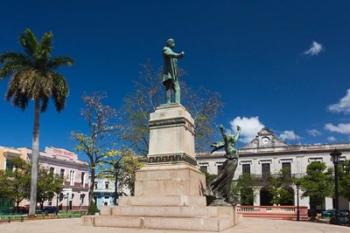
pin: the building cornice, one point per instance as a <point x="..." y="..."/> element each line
<point x="59" y="162"/>
<point x="286" y="150"/>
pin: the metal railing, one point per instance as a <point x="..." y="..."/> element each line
<point x="8" y="218"/>
<point x="271" y="209"/>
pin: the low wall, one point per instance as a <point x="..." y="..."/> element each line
<point x="273" y="212"/>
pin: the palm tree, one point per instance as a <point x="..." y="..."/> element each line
<point x="33" y="76"/>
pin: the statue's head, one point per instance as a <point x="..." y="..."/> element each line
<point x="170" y="43"/>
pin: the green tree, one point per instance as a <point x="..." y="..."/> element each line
<point x="34" y="76"/>
<point x="316" y="184"/>
<point x="5" y="182"/>
<point x="149" y="94"/>
<point x="15" y="184"/>
<point x="273" y="186"/>
<point x="49" y="184"/>
<point x="112" y="169"/>
<point x="19" y="185"/>
<point x="97" y="142"/>
<point x="130" y="164"/>
<point x="286" y="195"/>
<point x="6" y="201"/>
<point x="121" y="169"/>
<point x="280" y="187"/>
<point x="245" y="188"/>
<point x="285" y="190"/>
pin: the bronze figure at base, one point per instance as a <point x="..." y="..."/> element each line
<point x="219" y="190"/>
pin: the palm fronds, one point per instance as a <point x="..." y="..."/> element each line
<point x="34" y="74"/>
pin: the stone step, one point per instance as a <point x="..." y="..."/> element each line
<point x="118" y="221"/>
<point x="173" y="211"/>
<point x="180" y="200"/>
<point x="166" y="223"/>
<point x="190" y="224"/>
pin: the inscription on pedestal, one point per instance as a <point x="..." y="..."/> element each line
<point x="181" y="157"/>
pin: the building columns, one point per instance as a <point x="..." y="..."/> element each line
<point x="328" y="203"/>
<point x="256" y="196"/>
<point x="296" y="195"/>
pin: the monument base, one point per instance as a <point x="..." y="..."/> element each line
<point x="169" y="189"/>
<point x="168" y="197"/>
<point x="213" y="219"/>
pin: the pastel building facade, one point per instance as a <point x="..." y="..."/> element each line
<point x="266" y="154"/>
<point x="62" y="162"/>
<point x="7" y="154"/>
<point x="104" y="192"/>
<point x="75" y="173"/>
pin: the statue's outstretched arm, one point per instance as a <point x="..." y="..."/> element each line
<point x="217" y="146"/>
<point x="238" y="133"/>
<point x="222" y="131"/>
<point x="173" y="54"/>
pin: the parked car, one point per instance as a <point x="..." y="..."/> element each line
<point x="343" y="217"/>
<point x="21" y="210"/>
<point x="50" y="210"/>
<point x="328" y="213"/>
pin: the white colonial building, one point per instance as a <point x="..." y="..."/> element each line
<point x="266" y="154"/>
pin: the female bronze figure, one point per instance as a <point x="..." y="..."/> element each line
<point x="219" y="190"/>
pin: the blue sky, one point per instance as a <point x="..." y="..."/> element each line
<point x="255" y="53"/>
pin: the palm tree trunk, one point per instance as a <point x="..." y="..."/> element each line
<point x="35" y="159"/>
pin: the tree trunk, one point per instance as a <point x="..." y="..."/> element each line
<point x="35" y="159"/>
<point x="116" y="167"/>
<point x="17" y="205"/>
<point x="116" y="195"/>
<point x="92" y="185"/>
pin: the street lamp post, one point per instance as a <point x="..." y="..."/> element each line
<point x="335" y="159"/>
<point x="67" y="201"/>
<point x="298" y="207"/>
<point x="57" y="196"/>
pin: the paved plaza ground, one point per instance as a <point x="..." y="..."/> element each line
<point x="248" y="225"/>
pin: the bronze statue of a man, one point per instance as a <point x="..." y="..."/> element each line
<point x="170" y="72"/>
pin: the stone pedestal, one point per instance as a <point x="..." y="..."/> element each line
<point x="171" y="135"/>
<point x="169" y="180"/>
<point x="169" y="188"/>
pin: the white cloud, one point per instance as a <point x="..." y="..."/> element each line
<point x="343" y="105"/>
<point x="342" y="128"/>
<point x="331" y="139"/>
<point x="250" y="126"/>
<point x="289" y="135"/>
<point x="314" y="132"/>
<point x="315" y="49"/>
